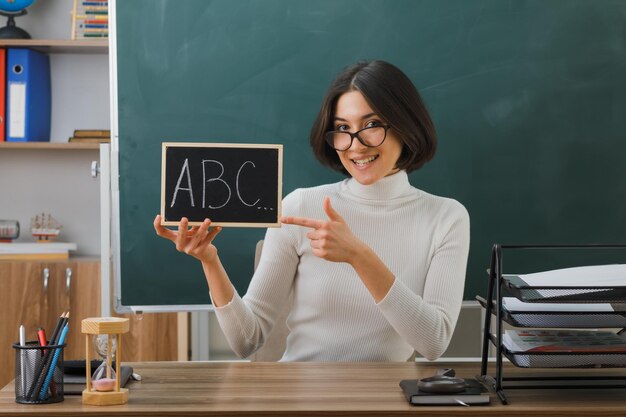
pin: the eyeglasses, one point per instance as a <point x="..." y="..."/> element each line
<point x="371" y="136"/>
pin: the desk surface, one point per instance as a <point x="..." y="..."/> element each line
<point x="363" y="389"/>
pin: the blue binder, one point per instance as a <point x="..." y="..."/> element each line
<point x="28" y="96"/>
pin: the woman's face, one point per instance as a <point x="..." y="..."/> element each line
<point x="366" y="165"/>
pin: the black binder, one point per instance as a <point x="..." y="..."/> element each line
<point x="474" y="394"/>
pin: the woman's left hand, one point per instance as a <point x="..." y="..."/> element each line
<point x="330" y="239"/>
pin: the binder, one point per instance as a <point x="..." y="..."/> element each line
<point x="28" y="96"/>
<point x="474" y="394"/>
<point x="3" y="84"/>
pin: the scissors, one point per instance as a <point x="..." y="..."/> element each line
<point x="443" y="382"/>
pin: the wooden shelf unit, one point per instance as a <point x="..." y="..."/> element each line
<point x="57" y="46"/>
<point x="61" y="146"/>
<point x="60" y="46"/>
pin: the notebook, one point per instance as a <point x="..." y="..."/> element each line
<point x="74" y="380"/>
<point x="474" y="394"/>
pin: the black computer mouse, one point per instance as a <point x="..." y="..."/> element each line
<point x="442" y="383"/>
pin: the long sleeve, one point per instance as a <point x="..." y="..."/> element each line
<point x="246" y="322"/>
<point x="422" y="239"/>
<point x="427" y="322"/>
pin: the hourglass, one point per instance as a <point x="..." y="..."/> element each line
<point x="103" y="388"/>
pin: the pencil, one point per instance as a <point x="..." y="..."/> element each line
<point x="53" y="364"/>
<point x="42" y="369"/>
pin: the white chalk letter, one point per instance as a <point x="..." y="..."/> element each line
<point x="218" y="178"/>
<point x="237" y="184"/>
<point x="184" y="170"/>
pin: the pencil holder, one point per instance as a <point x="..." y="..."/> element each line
<point x="38" y="373"/>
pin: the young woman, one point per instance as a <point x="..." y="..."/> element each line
<point x="376" y="266"/>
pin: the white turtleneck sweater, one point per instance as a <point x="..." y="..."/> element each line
<point x="423" y="240"/>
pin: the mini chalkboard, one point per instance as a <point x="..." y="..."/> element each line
<point x="236" y="185"/>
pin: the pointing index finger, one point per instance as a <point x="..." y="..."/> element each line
<point x="302" y="221"/>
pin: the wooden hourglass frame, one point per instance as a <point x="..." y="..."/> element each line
<point x="111" y="326"/>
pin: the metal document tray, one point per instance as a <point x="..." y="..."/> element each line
<point x="561" y="319"/>
<point x="553" y="294"/>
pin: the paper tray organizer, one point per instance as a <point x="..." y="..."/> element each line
<point x="498" y="283"/>
<point x="523" y="359"/>
<point x="566" y="360"/>
<point x="561" y="319"/>
<point x="554" y="294"/>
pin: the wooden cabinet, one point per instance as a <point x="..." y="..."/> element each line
<point x="30" y="296"/>
<point x="21" y="293"/>
<point x="34" y="294"/>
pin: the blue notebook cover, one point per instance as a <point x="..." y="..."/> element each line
<point x="28" y="96"/>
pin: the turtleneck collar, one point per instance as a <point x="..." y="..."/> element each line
<point x="389" y="188"/>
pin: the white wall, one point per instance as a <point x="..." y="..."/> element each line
<point x="59" y="182"/>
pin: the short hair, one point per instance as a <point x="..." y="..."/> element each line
<point x="392" y="95"/>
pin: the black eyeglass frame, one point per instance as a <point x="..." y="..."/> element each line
<point x="328" y="136"/>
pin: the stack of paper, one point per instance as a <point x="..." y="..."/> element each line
<point x="584" y="284"/>
<point x="513" y="304"/>
<point x="36" y="251"/>
<point x="572" y="315"/>
<point x="571" y="341"/>
<point x="565" y="348"/>
<point x="580" y="277"/>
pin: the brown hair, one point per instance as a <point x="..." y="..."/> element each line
<point x="394" y="98"/>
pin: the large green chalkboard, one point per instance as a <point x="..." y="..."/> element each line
<point x="529" y="99"/>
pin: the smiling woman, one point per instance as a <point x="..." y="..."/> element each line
<point x="367" y="161"/>
<point x="380" y="94"/>
<point x="376" y="267"/>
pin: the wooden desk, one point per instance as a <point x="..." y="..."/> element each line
<point x="345" y="389"/>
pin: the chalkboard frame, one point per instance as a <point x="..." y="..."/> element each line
<point x="279" y="185"/>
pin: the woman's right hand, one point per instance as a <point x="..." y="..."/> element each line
<point x="196" y="241"/>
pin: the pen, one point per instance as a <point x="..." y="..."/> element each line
<point x="41" y="334"/>
<point x="23" y="358"/>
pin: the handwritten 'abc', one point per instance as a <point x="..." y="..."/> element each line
<point x="185" y="174"/>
